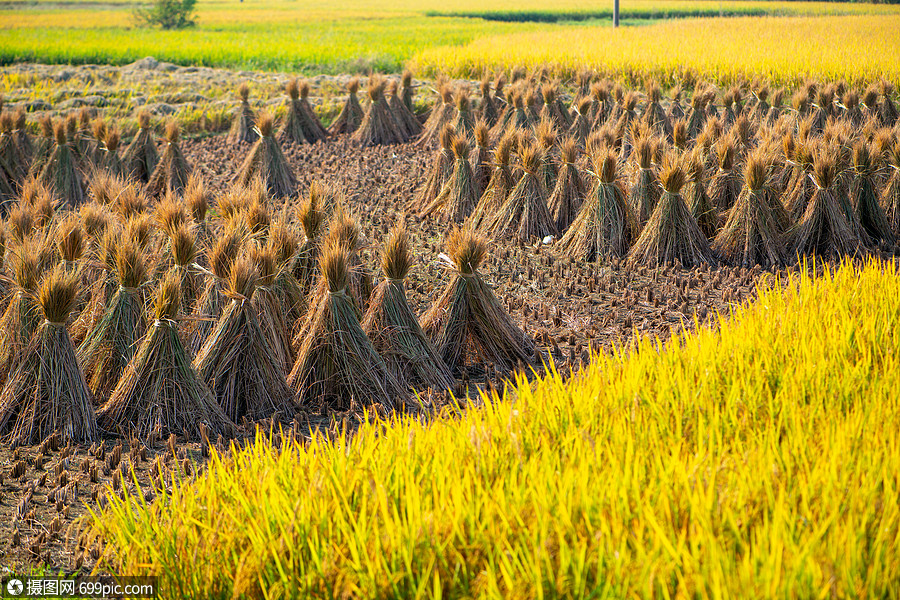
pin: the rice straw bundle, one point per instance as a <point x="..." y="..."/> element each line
<point x="267" y="162"/>
<point x="698" y="201"/>
<point x="852" y="112"/>
<point x="160" y="393"/>
<point x="109" y="346"/>
<point x="393" y="328"/>
<point x="725" y="186"/>
<point x="458" y="198"/>
<point x="654" y="116"/>
<point x="244" y="125"/>
<point x="22" y="138"/>
<point x="60" y="175"/>
<point x="546" y="138"/>
<point x="47" y="392"/>
<point x="101" y="287"/>
<point x="553" y="109"/>
<point x="440" y="172"/>
<point x="581" y="125"/>
<point x="284" y="245"/>
<point x="676" y="111"/>
<point x="351" y="114"/>
<point x="378" y="126"/>
<point x="70" y="242"/>
<point x="345" y="229"/>
<point x="408" y="90"/>
<point x="671" y="235"/>
<point x="498" y="187"/>
<point x="311" y="215"/>
<point x="825" y="229"/>
<point x="309" y="121"/>
<point x="12" y="163"/>
<point x="890" y="196"/>
<point x="140" y="157"/>
<point x="441" y="116"/>
<point x="28" y="261"/>
<point x="569" y="192"/>
<point x="697" y="115"/>
<point x="182" y="262"/>
<point x="467" y="322"/>
<point x="43" y="145"/>
<point x="886" y="108"/>
<point x="481" y="159"/>
<point x="752" y="234"/>
<point x="464" y="123"/>
<point x="645" y="191"/>
<point x="864" y="198"/>
<point x="489" y="111"/>
<point x="235" y="362"/>
<point x="604" y="227"/>
<point x="172" y="171"/>
<point x="212" y="300"/>
<point x="524" y="215"/>
<point x="268" y="308"/>
<point x="601" y="107"/>
<point x="108" y="153"/>
<point x="337" y="366"/>
<point x="406" y="121"/>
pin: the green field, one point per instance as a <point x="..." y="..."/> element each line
<point x="758" y="459"/>
<point x="330" y="37"/>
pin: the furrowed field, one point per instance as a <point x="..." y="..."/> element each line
<point x="757" y="460"/>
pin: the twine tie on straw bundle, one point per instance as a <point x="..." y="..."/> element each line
<point x="341" y="293"/>
<point x="164" y="323"/>
<point x="56" y="324"/>
<point x="129" y="290"/>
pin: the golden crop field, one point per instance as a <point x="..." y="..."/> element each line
<point x="757" y="459"/>
<point x="783" y="49"/>
<point x="334" y="37"/>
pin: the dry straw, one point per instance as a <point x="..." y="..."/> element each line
<point x="671" y="235"/>
<point x="645" y="191"/>
<point x="458" y="198"/>
<point x="440" y="172"/>
<point x="752" y="234"/>
<point x="890" y="196"/>
<point x="212" y="300"/>
<point x="351" y="114"/>
<point x="481" y="158"/>
<point x="243" y="125"/>
<point x="406" y="121"/>
<point x="236" y="363"/>
<point x="825" y="229"/>
<point x="28" y="260"/>
<point x="393" y="328"/>
<point x="140" y="157"/>
<point x="569" y="192"/>
<point x="267" y="162"/>
<point x="488" y="110"/>
<point x="109" y="346"/>
<point x="524" y="215"/>
<point x="498" y="187"/>
<point x="266" y="302"/>
<point x="160" y="393"/>
<point x="698" y="201"/>
<point x="726" y="185"/>
<point x="378" y="126"/>
<point x="309" y="122"/>
<point x="467" y="322"/>
<point x="60" y="174"/>
<point x="863" y="196"/>
<point x="47" y="392"/>
<point x="337" y="366"/>
<point x="441" y="116"/>
<point x="604" y="227"/>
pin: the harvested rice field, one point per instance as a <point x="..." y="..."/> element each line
<point x="256" y="318"/>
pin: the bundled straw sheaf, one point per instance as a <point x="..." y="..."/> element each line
<point x="160" y="393"/>
<point x="236" y="363"/>
<point x="393" y="328"/>
<point x="337" y="366"/>
<point x="47" y="392"/>
<point x="467" y="322"/>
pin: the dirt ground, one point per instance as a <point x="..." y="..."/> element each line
<point x="568" y="306"/>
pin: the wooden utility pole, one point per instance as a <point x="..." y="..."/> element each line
<point x="615" y="13"/>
